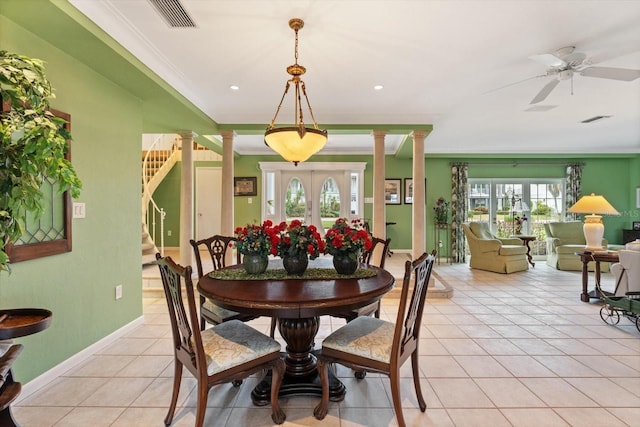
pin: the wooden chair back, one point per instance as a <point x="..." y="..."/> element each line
<point x="187" y="340"/>
<point x="217" y="246"/>
<point x="407" y="332"/>
<point x="365" y="258"/>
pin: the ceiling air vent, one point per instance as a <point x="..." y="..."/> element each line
<point x="174" y="13"/>
<point x="594" y="118"/>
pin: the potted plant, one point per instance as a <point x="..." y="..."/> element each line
<point x="441" y="210"/>
<point x="345" y="240"/>
<point x="33" y="146"/>
<point x="255" y="242"/>
<point x="296" y="243"/>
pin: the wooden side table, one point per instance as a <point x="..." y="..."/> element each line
<point x="599" y="256"/>
<point x="526" y="239"/>
<point x="15" y="323"/>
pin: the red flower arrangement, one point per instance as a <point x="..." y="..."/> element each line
<point x="256" y="239"/>
<point x="347" y="238"/>
<point x="295" y="239"/>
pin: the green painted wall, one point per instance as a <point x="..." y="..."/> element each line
<point x="615" y="177"/>
<point x="79" y="287"/>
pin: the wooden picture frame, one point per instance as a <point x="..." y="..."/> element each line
<point x="42" y="243"/>
<point x="245" y="186"/>
<point x="393" y="191"/>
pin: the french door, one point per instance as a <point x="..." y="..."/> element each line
<point x="315" y="193"/>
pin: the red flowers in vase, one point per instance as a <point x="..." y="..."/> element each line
<point x="347" y="238"/>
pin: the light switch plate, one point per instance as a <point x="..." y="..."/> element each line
<point x="78" y="210"/>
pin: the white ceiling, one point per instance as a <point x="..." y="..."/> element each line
<point x="440" y="62"/>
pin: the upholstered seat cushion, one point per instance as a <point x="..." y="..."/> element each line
<point x="368" y="337"/>
<point x="222" y="314"/>
<point x="233" y="343"/>
<point x="512" y="250"/>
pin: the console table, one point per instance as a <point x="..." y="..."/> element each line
<point x="586" y="257"/>
<point x="630" y="236"/>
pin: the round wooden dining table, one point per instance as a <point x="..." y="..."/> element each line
<point x="297" y="303"/>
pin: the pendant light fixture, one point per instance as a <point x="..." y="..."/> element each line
<point x="295" y="143"/>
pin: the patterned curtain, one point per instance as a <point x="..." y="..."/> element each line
<point x="573" y="189"/>
<point x="459" y="208"/>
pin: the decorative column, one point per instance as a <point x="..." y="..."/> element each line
<point x="418" y="210"/>
<point x="379" y="216"/>
<point x="226" y="193"/>
<point x="186" y="197"/>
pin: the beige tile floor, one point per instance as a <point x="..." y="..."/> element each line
<point x="506" y="350"/>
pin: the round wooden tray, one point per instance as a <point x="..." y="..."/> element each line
<point x="20" y="322"/>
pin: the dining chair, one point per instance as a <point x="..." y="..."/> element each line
<point x="375" y="345"/>
<point x="217" y="247"/>
<point x="223" y="353"/>
<point x="365" y="258"/>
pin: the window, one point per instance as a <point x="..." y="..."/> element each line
<point x="517" y="206"/>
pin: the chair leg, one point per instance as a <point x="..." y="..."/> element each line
<point x="201" y="406"/>
<point x="416" y="381"/>
<point x="321" y="409"/>
<point x="277" y="373"/>
<point x="395" y="395"/>
<point x="272" y="331"/>
<point x="177" y="378"/>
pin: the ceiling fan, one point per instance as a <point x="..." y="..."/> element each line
<point x="565" y="62"/>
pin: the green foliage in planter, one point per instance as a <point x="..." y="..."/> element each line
<point x="33" y="145"/>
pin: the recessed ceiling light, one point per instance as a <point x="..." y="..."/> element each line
<point x="378" y="87"/>
<point x="234" y="87"/>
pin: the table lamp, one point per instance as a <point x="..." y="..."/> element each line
<point x="594" y="205"/>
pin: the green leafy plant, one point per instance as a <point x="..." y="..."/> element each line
<point x="33" y="146"/>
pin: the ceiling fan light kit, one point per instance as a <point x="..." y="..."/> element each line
<point x="295" y="143"/>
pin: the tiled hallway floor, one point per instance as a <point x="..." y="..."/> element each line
<point x="506" y="350"/>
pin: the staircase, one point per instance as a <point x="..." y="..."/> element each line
<point x="156" y="164"/>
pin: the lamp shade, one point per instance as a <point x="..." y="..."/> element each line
<point x="294" y="147"/>
<point x="593" y="204"/>
<point x="593" y="228"/>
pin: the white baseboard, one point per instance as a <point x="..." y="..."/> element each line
<point x="42" y="380"/>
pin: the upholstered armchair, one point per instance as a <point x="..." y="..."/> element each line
<point x="627" y="272"/>
<point x="491" y="253"/>
<point x="564" y="239"/>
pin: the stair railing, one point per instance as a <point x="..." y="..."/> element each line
<point x="157" y="157"/>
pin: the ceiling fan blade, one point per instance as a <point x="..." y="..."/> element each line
<point x="514" y="83"/>
<point x="549" y="60"/>
<point x="625" y="74"/>
<point x="546" y="90"/>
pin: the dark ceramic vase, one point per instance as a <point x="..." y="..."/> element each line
<point x="344" y="264"/>
<point x="255" y="263"/>
<point x="295" y="264"/>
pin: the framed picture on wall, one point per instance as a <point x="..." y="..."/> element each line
<point x="636" y="225"/>
<point x="408" y="190"/>
<point x="245" y="186"/>
<point x="392" y="191"/>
